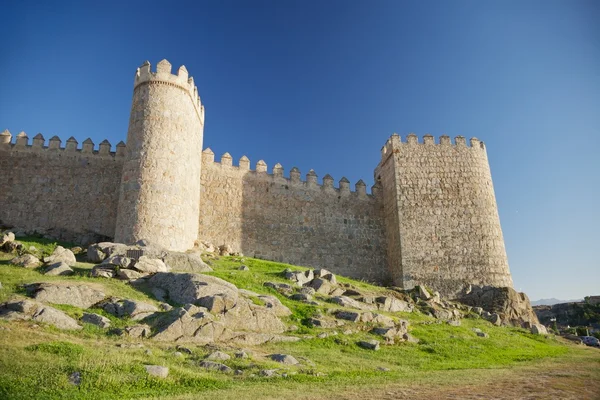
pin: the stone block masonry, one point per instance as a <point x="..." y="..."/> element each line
<point x="431" y="218"/>
<point x="289" y="220"/>
<point x="71" y="191"/>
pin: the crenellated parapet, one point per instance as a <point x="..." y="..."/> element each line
<point x="395" y="144"/>
<point x="163" y="76"/>
<point x="55" y="146"/>
<point x="277" y="175"/>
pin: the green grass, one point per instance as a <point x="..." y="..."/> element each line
<point x="36" y="361"/>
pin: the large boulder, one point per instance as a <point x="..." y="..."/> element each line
<point x="59" y="268"/>
<point x="185" y="262"/>
<point x="78" y="295"/>
<point x="26" y="261"/>
<point x="33" y="310"/>
<point x="60" y="254"/>
<point x="148" y="265"/>
<point x="193" y="288"/>
<point x="134" y="309"/>
<point x="6" y="237"/>
<point x="511" y="306"/>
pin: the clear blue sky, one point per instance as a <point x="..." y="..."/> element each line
<point x="322" y="84"/>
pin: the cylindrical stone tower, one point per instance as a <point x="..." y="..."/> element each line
<point x="160" y="188"/>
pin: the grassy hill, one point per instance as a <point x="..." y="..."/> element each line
<point x="37" y="361"/>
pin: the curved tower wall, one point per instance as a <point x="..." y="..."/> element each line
<point x="440" y="213"/>
<point x="160" y="185"/>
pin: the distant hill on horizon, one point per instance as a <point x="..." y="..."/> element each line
<point x="552" y="301"/>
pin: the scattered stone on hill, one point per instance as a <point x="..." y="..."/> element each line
<point x="538" y="329"/>
<point x="61" y="254"/>
<point x="349" y="302"/>
<point x="59" y="268"/>
<point x="241" y="354"/>
<point x="12" y="247"/>
<point x="157" y="370"/>
<point x="284" y="359"/>
<point x="321" y="285"/>
<point x="423" y="293"/>
<point x="325" y="274"/>
<point x="75" y="378"/>
<point x="480" y="333"/>
<point x="392" y="304"/>
<point x="26" y="261"/>
<point x="268" y="373"/>
<point x="369" y="344"/>
<point x="73" y="294"/>
<point x="301" y="297"/>
<point x="6" y="238"/>
<point x="512" y="307"/>
<point x="95" y="254"/>
<point x="410" y="338"/>
<point x="76" y="250"/>
<point x="280" y="287"/>
<point x="225" y="250"/>
<point x="215" y="366"/>
<point x="129" y="274"/>
<point x="103" y="271"/>
<point x="137" y="331"/>
<point x="453" y="322"/>
<point x="134" y="309"/>
<point x="117" y="261"/>
<point x="243" y="268"/>
<point x="96" y="319"/>
<point x="495" y="319"/>
<point x="444" y="315"/>
<point x="184" y="349"/>
<point x="32" y="310"/>
<point x="348" y="315"/>
<point x="218" y="355"/>
<point x="300" y="277"/>
<point x="378" y="319"/>
<point x="324" y="323"/>
<point x="392" y="332"/>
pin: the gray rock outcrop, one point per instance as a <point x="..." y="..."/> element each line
<point x="73" y="294"/>
<point x="60" y="254"/>
<point x="134" y="309"/>
<point x="511" y="306"/>
<point x="96" y="319"/>
<point x="36" y="311"/>
<point x="26" y="261"/>
<point x="59" y="268"/>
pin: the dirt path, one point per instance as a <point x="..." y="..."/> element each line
<point x="556" y="379"/>
<point x="573" y="377"/>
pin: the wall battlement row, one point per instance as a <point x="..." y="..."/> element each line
<point x="163" y="74"/>
<point x="294" y="178"/>
<point x="54" y="144"/>
<point x="395" y="141"/>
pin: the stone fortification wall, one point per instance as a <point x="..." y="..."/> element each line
<point x="69" y="190"/>
<point x="160" y="189"/>
<point x="290" y="220"/>
<point x="442" y="197"/>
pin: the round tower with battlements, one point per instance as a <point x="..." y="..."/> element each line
<point x="160" y="187"/>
